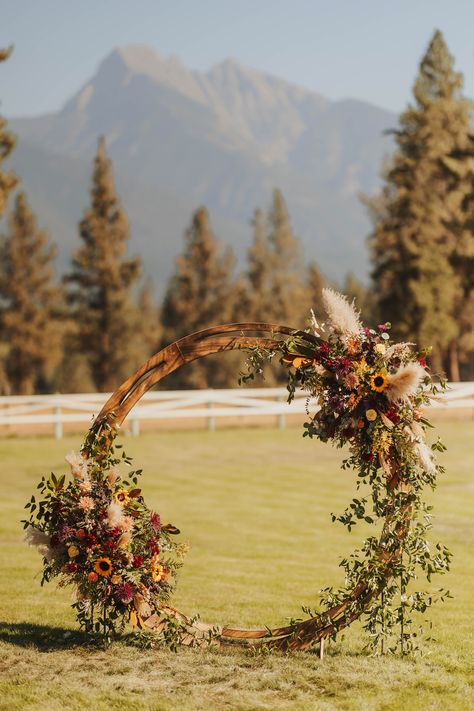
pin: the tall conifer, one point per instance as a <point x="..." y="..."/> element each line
<point x="200" y="293"/>
<point x="101" y="284"/>
<point x="418" y="223"/>
<point x="8" y="180"/>
<point x="30" y="311"/>
<point x="275" y="280"/>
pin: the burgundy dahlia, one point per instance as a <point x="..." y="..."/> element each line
<point x="124" y="593"/>
<point x="155" y="520"/>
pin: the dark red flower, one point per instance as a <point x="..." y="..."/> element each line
<point x="153" y="546"/>
<point x="392" y="415"/>
<point x="71" y="567"/>
<point x="137" y="561"/>
<point x="124" y="593"/>
<point x="89" y="540"/>
<point x="155" y="520"/>
<point x="422" y="362"/>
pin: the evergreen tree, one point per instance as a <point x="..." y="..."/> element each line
<point x="30" y="311"/>
<point x="315" y="283"/>
<point x="420" y="220"/>
<point x="200" y="293"/>
<point x="101" y="284"/>
<point x="355" y="290"/>
<point x="275" y="281"/>
<point x="7" y="142"/>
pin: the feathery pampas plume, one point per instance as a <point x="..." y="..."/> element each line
<point x="114" y="514"/>
<point x="78" y="465"/>
<point x="404" y="382"/>
<point x="35" y="537"/>
<point x="343" y="316"/>
<point x="424" y="456"/>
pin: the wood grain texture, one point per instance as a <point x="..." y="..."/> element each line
<point x="300" y="635"/>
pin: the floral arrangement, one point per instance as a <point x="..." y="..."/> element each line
<point x="96" y="534"/>
<point x="370" y="393"/>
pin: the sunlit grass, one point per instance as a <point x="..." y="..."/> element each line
<point x="255" y="506"/>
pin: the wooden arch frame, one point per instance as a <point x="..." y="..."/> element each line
<point x="302" y="634"/>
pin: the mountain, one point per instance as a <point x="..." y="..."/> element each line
<point x="224" y="138"/>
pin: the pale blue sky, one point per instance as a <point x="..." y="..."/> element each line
<point x="366" y="49"/>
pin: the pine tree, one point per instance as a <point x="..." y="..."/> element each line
<point x="7" y="142"/>
<point x="31" y="301"/>
<point x="315" y="283"/>
<point x="418" y="223"/>
<point x="101" y="284"/>
<point x="200" y="293"/>
<point x="275" y="281"/>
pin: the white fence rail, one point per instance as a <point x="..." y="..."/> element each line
<point x="27" y="413"/>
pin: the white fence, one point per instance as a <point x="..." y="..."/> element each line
<point x="26" y="414"/>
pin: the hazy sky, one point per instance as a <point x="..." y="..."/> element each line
<point x="366" y="49"/>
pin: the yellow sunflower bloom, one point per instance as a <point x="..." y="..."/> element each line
<point x="378" y="382"/>
<point x="103" y="566"/>
<point x="158" y="573"/>
<point x="122" y="497"/>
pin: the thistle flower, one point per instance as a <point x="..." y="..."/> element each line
<point x="404" y="382"/>
<point x="78" y="465"/>
<point x="343" y="316"/>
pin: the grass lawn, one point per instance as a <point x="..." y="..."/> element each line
<point x="255" y="506"/>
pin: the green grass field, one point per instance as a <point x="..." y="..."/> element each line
<point x="255" y="506"/>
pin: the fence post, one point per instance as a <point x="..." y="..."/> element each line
<point x="135" y="427"/>
<point x="281" y="417"/>
<point x="58" y="425"/>
<point x="211" y="421"/>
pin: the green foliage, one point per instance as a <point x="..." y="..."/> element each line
<point x="8" y="181"/>
<point x="31" y="306"/>
<point x="201" y="293"/>
<point x="100" y="285"/>
<point x="422" y="245"/>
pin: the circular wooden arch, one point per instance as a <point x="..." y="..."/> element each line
<point x="302" y="634"/>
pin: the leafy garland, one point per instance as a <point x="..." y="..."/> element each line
<point x="96" y="533"/>
<point x="370" y="393"/>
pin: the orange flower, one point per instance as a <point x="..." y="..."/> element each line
<point x="92" y="577"/>
<point x="158" y="573"/>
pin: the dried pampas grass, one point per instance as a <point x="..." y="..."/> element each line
<point x="404" y="382"/>
<point x="343" y="316"/>
<point x="35" y="537"/>
<point x="425" y="456"/>
<point x="114" y="514"/>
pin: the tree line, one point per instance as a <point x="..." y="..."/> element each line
<point x="94" y="327"/>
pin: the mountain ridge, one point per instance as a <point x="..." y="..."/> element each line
<point x="225" y="138"/>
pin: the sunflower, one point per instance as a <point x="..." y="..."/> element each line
<point x="378" y="382"/>
<point x="158" y="573"/>
<point x="103" y="566"/>
<point x="122" y="497"/>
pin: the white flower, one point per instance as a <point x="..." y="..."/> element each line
<point x="343" y="315"/>
<point x="380" y="348"/>
<point x="78" y="465"/>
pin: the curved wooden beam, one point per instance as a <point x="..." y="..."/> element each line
<point x="228" y="337"/>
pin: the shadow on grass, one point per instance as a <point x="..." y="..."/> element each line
<point x="42" y="637"/>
